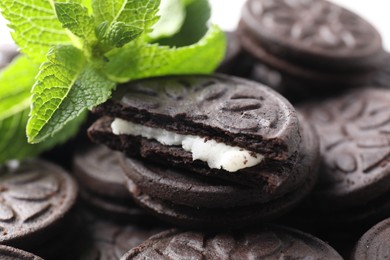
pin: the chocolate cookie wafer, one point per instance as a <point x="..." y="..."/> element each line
<point x="268" y="242"/>
<point x="310" y="47"/>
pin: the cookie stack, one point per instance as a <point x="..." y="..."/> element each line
<point x="220" y="157"/>
<point x="209" y="151"/>
<point x="305" y="48"/>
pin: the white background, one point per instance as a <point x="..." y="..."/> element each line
<point x="226" y="13"/>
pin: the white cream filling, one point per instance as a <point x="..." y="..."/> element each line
<point x="216" y="155"/>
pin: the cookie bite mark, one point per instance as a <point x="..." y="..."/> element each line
<point x="217" y="155"/>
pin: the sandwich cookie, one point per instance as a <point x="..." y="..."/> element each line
<point x="10" y="253"/>
<point x="194" y="138"/>
<point x="354" y="131"/>
<point x="216" y="126"/>
<point x="36" y="198"/>
<point x="309" y="47"/>
<point x="268" y="242"/>
<point x="103" y="184"/>
<point x="375" y="243"/>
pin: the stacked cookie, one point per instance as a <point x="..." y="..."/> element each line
<point x="304" y="48"/>
<point x="220" y="156"/>
<point x="209" y="151"/>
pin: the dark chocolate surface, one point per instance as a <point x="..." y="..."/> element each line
<point x="10" y="253"/>
<point x="34" y="199"/>
<point x="374" y="244"/>
<point x="268" y="242"/>
<point x="231" y="110"/>
<point x="185" y="200"/>
<point x="101" y="239"/>
<point x="355" y="144"/>
<point x="315" y="33"/>
<point x="97" y="168"/>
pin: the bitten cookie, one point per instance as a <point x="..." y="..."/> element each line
<point x="230" y="145"/>
<point x="217" y="126"/>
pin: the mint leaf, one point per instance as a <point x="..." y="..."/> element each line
<point x="14" y="144"/>
<point x="172" y="14"/>
<point x="66" y="87"/>
<point x="16" y="81"/>
<point x="118" y="34"/>
<point x="35" y="25"/>
<point x="74" y="17"/>
<point x="122" y="21"/>
<point x="137" y="60"/>
<point x="194" y="26"/>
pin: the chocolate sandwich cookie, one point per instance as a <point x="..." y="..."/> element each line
<point x="375" y="243"/>
<point x="190" y="200"/>
<point x="103" y="185"/>
<point x="10" y="253"/>
<point x="99" y="238"/>
<point x="355" y="147"/>
<point x="309" y="46"/>
<point x="35" y="202"/>
<point x="268" y="242"/>
<point x="216" y="126"/>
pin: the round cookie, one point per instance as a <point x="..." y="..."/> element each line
<point x="354" y="135"/>
<point x="97" y="168"/>
<point x="240" y="114"/>
<point x="374" y="244"/>
<point x="270" y="242"/>
<point x="103" y="185"/>
<point x="35" y="200"/>
<point x="305" y="48"/>
<point x="183" y="198"/>
<point x="100" y="238"/>
<point x="313" y="33"/>
<point x="10" y="253"/>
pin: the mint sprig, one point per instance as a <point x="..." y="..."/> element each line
<point x="88" y="46"/>
<point x="15" y="85"/>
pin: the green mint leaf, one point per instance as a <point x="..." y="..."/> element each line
<point x="194" y="27"/>
<point x="16" y="81"/>
<point x="119" y="34"/>
<point x="139" y="60"/>
<point x="74" y="17"/>
<point x="35" y="26"/>
<point x="172" y="14"/>
<point x="121" y="21"/>
<point x="66" y="86"/>
<point x="13" y="144"/>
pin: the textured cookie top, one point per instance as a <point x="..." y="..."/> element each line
<point x="375" y="243"/>
<point x="306" y="30"/>
<point x="97" y="168"/>
<point x="354" y="132"/>
<point x="10" y="253"/>
<point x="229" y="110"/>
<point x="32" y="197"/>
<point x="270" y="242"/>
